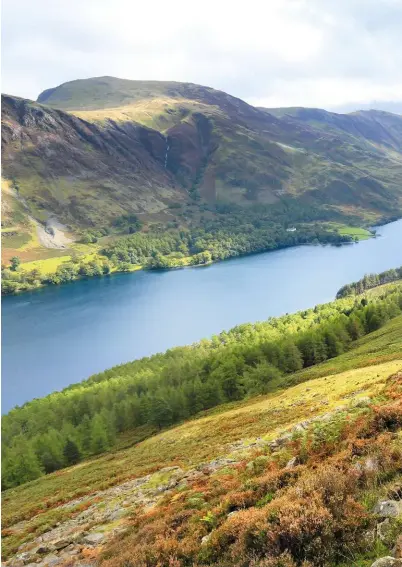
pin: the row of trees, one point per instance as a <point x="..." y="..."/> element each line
<point x="369" y="281"/>
<point x="169" y="250"/>
<point x="14" y="281"/>
<point x="50" y="433"/>
<point x="229" y="231"/>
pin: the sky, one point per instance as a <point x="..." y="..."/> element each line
<point x="335" y="54"/>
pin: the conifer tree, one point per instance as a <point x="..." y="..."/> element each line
<point x="161" y="412"/>
<point x="99" y="435"/>
<point x="71" y="452"/>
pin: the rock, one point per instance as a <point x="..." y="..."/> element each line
<point x="17" y="563"/>
<point x="298" y="428"/>
<point x="281" y="441"/>
<point x="370" y="536"/>
<point x="292" y="463"/>
<point x="71" y="549"/>
<point x="93" y="539"/>
<point x="205" y="539"/>
<point x="231" y="514"/>
<point x="171" y="469"/>
<point x="50" y="560"/>
<point x="361" y="403"/>
<point x="116" y="515"/>
<point x="387" y="562"/>
<point x="62" y="543"/>
<point x="388" y="508"/>
<point x="26" y="557"/>
<point x="44" y="549"/>
<point x="371" y="465"/>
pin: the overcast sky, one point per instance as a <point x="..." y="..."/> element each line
<point x="324" y="53"/>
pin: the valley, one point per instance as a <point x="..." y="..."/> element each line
<point x="273" y="437"/>
<point x="148" y="311"/>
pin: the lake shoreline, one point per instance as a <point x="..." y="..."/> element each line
<point x="70" y="332"/>
<point x="139" y="267"/>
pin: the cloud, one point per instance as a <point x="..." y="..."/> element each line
<point x="272" y="53"/>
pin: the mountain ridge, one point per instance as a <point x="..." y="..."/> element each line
<point x="179" y="153"/>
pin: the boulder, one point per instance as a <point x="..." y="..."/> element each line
<point x="61" y="543"/>
<point x="292" y="463"/>
<point x="371" y="465"/>
<point x="388" y="508"/>
<point x="93" y="539"/>
<point x="387" y="562"/>
<point x="205" y="539"/>
<point x="44" y="549"/>
<point x="231" y="514"/>
<point x="26" y="557"/>
<point x="395" y="492"/>
<point x="50" y="561"/>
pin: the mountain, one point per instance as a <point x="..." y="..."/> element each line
<point x="80" y="172"/>
<point x="294" y="470"/>
<point x="180" y="156"/>
<point x="388" y="106"/>
<point x="106" y="150"/>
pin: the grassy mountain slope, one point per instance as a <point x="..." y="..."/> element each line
<point x="255" y="155"/>
<point x="62" y="165"/>
<point x="326" y="421"/>
<point x="227" y="461"/>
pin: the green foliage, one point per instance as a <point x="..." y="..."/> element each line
<point x="20" y="463"/>
<point x="71" y="452"/>
<point x="369" y="281"/>
<point x="14" y="263"/>
<point x="231" y="232"/>
<point x="167" y="388"/>
<point x="129" y="223"/>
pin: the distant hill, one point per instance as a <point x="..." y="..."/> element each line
<point x="90" y="150"/>
<point x="388" y="106"/>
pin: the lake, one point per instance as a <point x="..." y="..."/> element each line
<point x="59" y="335"/>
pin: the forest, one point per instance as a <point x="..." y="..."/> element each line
<point x="228" y="231"/>
<point x="369" y="281"/>
<point x="156" y="392"/>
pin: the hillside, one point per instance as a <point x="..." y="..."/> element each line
<point x="196" y="142"/>
<point x="251" y="155"/>
<point x="291" y="475"/>
<point x="200" y="176"/>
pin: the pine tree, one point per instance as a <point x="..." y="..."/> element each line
<point x="49" y="450"/>
<point x="354" y="327"/>
<point x="84" y="434"/>
<point x="71" y="452"/>
<point x="20" y="464"/>
<point x="99" y="435"/>
<point x="291" y="359"/>
<point x="160" y="412"/>
<point x="259" y="378"/>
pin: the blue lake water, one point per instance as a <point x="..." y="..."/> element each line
<point x="60" y="335"/>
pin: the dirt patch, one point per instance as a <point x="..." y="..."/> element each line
<point x="52" y="235"/>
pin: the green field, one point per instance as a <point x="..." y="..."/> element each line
<point x="357" y="232"/>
